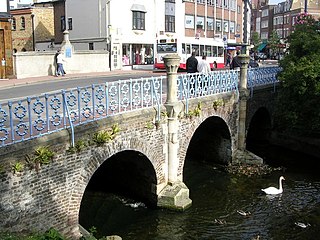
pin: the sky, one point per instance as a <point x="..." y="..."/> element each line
<point x="273" y="2"/>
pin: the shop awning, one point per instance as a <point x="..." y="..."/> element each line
<point x="262" y="46"/>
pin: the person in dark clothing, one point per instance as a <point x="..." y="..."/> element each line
<point x="192" y="63"/>
<point x="235" y="62"/>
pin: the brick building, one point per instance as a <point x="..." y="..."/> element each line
<point x="33" y="27"/>
<point x="6" y="67"/>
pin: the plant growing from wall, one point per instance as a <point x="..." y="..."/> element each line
<point x="78" y="147"/>
<point x="115" y="130"/>
<point x="103" y="136"/>
<point x="217" y="103"/>
<point x="196" y="112"/>
<point x="17" y="167"/>
<point x="150" y="125"/>
<point x="43" y="155"/>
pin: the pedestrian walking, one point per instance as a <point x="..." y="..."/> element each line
<point x="60" y="60"/>
<point x="192" y="63"/>
<point x="203" y="65"/>
<point x="235" y="64"/>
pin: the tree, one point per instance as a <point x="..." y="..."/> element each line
<point x="300" y="78"/>
<point x="274" y="42"/>
<point x="255" y="40"/>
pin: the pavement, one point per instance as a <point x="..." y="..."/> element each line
<point x="9" y="83"/>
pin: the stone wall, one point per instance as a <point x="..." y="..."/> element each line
<point x="37" y="64"/>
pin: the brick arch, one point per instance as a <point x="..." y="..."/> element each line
<point x="184" y="144"/>
<point x="98" y="157"/>
<point x="263" y="98"/>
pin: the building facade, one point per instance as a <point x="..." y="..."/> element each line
<point x="33" y="28"/>
<point x="280" y="18"/>
<point x="6" y="63"/>
<point x="130" y="29"/>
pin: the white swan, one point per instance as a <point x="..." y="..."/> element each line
<point x="273" y="190"/>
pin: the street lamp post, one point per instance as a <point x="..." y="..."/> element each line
<point x="305" y="6"/>
<point x="245" y="27"/>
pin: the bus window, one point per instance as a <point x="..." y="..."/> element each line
<point x="167" y="47"/>
<point x="183" y="48"/>
<point x="196" y="49"/>
<point x="188" y="49"/>
<point x="208" y="51"/>
<point x="215" y="51"/>
<point x="220" y="51"/>
<point x="202" y="52"/>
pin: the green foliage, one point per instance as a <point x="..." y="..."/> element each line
<point x="79" y="146"/>
<point x="43" y="155"/>
<point x="93" y="230"/>
<point x="274" y="42"/>
<point x="101" y="137"/>
<point x="149" y="125"/>
<point x="255" y="40"/>
<point x="17" y="167"/>
<point x="298" y="101"/>
<point x="104" y="136"/>
<point x="196" y="112"/>
<point x="51" y="234"/>
<point x="217" y="103"/>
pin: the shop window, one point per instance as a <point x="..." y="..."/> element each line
<point x="141" y="54"/>
<point x="138" y="20"/>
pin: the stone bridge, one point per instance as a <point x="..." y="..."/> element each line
<point x="143" y="155"/>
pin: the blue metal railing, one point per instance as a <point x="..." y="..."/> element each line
<point x="32" y="117"/>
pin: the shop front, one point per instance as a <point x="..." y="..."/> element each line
<point x="137" y="55"/>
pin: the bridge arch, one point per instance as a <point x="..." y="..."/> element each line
<point x="259" y="130"/>
<point x="123" y="157"/>
<point x="209" y="141"/>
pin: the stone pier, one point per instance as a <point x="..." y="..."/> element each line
<point x="175" y="194"/>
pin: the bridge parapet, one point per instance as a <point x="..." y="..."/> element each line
<point x="33" y="117"/>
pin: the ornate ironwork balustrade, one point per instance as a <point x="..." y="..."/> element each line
<point x="32" y="117"/>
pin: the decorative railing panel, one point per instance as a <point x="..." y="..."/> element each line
<point x="198" y="85"/>
<point x="35" y="116"/>
<point x="262" y="76"/>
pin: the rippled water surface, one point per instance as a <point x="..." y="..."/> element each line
<point x="220" y="202"/>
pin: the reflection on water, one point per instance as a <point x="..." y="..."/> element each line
<point x="218" y="199"/>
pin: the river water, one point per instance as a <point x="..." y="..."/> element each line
<point x="225" y="206"/>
